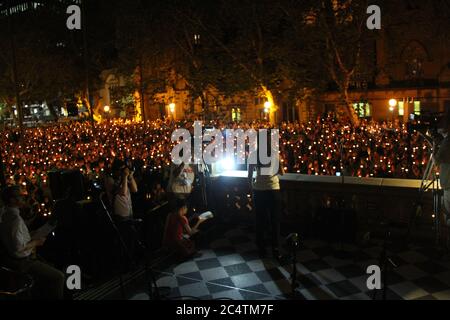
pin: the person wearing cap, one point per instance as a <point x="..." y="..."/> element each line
<point x="18" y="249"/>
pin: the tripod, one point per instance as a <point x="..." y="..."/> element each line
<point x="151" y="280"/>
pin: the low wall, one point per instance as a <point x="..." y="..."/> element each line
<point x="372" y="202"/>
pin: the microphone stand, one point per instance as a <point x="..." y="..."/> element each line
<point x="385" y="262"/>
<point x="123" y="246"/>
<point x="125" y="251"/>
<point x="294" y="243"/>
<point x="430" y="181"/>
<point x="294" y="283"/>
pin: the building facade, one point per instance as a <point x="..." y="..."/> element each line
<point x="410" y="76"/>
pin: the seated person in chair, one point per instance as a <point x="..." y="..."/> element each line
<point x="19" y="249"/>
<point x="177" y="231"/>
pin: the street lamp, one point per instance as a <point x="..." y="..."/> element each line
<point x="267" y="106"/>
<point x="392" y="104"/>
<point x="172" y="107"/>
<point x="107" y="109"/>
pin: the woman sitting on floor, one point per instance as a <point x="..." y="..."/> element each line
<point x="178" y="232"/>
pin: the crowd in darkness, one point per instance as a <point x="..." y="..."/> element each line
<point x="325" y="146"/>
<point x="373" y="149"/>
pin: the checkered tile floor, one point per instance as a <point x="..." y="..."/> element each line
<point x="231" y="269"/>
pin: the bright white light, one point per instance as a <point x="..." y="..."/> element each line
<point x="172" y="107"/>
<point x="106" y="108"/>
<point x="392" y="103"/>
<point x="227" y="164"/>
<point x="267" y="105"/>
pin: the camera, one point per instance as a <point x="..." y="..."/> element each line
<point x="128" y="163"/>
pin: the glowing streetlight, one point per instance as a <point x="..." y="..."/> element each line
<point x="106" y="109"/>
<point x="172" y="107"/>
<point x="267" y="106"/>
<point x="393" y="103"/>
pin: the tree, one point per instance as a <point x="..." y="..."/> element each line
<point x="145" y="51"/>
<point x="209" y="72"/>
<point x="42" y="52"/>
<point x="342" y="24"/>
<point x="248" y="35"/>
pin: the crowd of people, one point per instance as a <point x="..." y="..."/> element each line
<point x="132" y="164"/>
<point x="373" y="149"/>
<point x="322" y="147"/>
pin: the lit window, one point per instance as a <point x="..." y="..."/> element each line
<point x="401" y="108"/>
<point x="236" y="114"/>
<point x="368" y="110"/>
<point x="363" y="110"/>
<point x="417" y="108"/>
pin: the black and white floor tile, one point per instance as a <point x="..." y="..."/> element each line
<point x="231" y="269"/>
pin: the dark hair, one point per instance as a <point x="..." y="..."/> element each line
<point x="117" y="165"/>
<point x="9" y="193"/>
<point x="180" y="203"/>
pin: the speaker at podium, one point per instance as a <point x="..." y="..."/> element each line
<point x="64" y="181"/>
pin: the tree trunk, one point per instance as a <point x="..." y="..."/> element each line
<point x="142" y="90"/>
<point x="350" y="111"/>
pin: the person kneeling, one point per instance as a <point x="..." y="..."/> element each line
<point x="178" y="232"/>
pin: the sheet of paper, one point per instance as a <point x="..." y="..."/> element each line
<point x="207" y="215"/>
<point x="43" y="231"/>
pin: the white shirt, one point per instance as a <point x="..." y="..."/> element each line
<point x="123" y="205"/>
<point x="267" y="181"/>
<point x="14" y="233"/>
